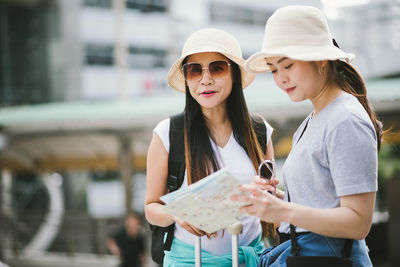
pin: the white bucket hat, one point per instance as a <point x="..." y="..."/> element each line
<point x="209" y="40"/>
<point x="297" y="32"/>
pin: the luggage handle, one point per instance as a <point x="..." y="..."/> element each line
<point x="234" y="230"/>
<point x="197" y="251"/>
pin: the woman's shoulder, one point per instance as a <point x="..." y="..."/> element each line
<point x="258" y="119"/>
<point x="162" y="130"/>
<point x="349" y="115"/>
<point x="162" y="126"/>
<point x="346" y="109"/>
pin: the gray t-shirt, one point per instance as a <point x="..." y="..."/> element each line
<point x="336" y="156"/>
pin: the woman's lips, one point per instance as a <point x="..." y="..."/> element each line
<point x="208" y="93"/>
<point x="290" y="90"/>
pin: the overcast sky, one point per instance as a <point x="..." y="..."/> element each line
<point x="330" y="6"/>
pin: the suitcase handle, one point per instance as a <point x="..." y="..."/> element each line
<point x="197" y="251"/>
<point x="234" y="230"/>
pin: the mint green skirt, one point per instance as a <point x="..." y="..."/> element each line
<point x="182" y="255"/>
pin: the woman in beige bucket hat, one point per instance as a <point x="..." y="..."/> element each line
<point x="330" y="175"/>
<point x="218" y="133"/>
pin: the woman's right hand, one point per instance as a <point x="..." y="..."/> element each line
<point x="192" y="229"/>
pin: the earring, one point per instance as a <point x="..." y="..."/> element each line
<point x="321" y="72"/>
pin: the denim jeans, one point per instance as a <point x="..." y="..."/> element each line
<point x="315" y="245"/>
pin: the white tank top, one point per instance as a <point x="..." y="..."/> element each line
<point x="232" y="157"/>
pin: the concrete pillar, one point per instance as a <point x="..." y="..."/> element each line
<point x="2" y="215"/>
<point x="67" y="51"/>
<point x="121" y="48"/>
<point x="125" y="168"/>
<point x="6" y="233"/>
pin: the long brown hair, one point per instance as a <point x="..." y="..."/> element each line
<point x="350" y="81"/>
<point x="200" y="158"/>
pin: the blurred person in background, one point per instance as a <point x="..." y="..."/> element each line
<point x="128" y="243"/>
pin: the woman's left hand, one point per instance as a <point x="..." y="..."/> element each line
<point x="264" y="205"/>
<point x="266" y="184"/>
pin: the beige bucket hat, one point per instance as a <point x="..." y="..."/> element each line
<point x="208" y="40"/>
<point x="297" y="32"/>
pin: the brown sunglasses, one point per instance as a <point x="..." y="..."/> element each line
<point x="193" y="71"/>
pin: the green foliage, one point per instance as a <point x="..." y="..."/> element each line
<point x="389" y="161"/>
<point x="388" y="168"/>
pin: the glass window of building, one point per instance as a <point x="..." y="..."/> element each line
<point x="147" y="5"/>
<point x="97" y="54"/>
<point x="143" y="57"/>
<point x="98" y="3"/>
<point x="237" y="14"/>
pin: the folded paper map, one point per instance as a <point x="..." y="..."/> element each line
<point x="206" y="204"/>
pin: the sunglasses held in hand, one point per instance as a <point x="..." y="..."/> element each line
<point x="193" y="71"/>
<point x="266" y="170"/>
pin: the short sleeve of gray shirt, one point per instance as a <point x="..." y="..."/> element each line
<point x="335" y="156"/>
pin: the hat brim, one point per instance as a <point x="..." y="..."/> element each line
<point x="176" y="79"/>
<point x="257" y="63"/>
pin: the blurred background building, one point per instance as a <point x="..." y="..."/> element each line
<point x="83" y="83"/>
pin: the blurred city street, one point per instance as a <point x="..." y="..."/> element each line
<point x="83" y="84"/>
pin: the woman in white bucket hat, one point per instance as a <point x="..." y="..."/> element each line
<point x="330" y="175"/>
<point x="218" y="133"/>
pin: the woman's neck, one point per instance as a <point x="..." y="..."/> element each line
<point x="326" y="96"/>
<point x="219" y="125"/>
<point x="215" y="116"/>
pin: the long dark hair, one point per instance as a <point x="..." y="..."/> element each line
<point x="350" y="81"/>
<point x="199" y="156"/>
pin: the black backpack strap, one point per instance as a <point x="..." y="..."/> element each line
<point x="260" y="130"/>
<point x="176" y="164"/>
<point x="170" y="237"/>
<point x="348" y="246"/>
<point x="176" y="157"/>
